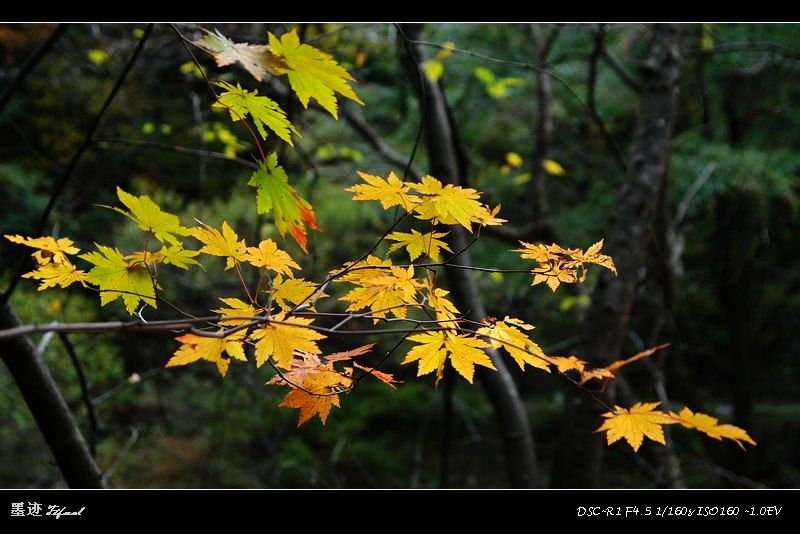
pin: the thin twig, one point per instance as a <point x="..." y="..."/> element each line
<point x="85" y="396"/>
<point x="180" y="150"/>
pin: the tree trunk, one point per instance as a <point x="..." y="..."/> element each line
<point x="443" y="160"/>
<point x="48" y="408"/>
<point x="577" y="462"/>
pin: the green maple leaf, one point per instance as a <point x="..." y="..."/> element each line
<point x="264" y="111"/>
<point x="312" y="73"/>
<point x="118" y="278"/>
<point x="276" y="195"/>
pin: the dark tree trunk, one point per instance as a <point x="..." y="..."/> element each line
<point x="577" y="461"/>
<point x="48" y="408"/>
<point x="444" y="165"/>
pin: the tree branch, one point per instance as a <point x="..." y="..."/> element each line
<point x="85" y="396"/>
<point x="390" y="155"/>
<point x="30" y="64"/>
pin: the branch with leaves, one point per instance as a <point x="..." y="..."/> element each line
<point x="277" y="322"/>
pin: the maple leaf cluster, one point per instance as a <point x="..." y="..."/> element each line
<point x="562" y="265"/>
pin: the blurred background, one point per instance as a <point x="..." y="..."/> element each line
<point x="720" y="278"/>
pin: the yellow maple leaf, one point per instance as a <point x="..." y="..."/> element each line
<point x="48" y="248"/>
<point x="309" y="404"/>
<point x="507" y="334"/>
<point x="150" y="217"/>
<point x="490" y="218"/>
<point x="382" y="289"/>
<point x="56" y="274"/>
<point x="279" y="341"/>
<point x="236" y="307"/>
<point x="225" y="244"/>
<point x="448" y="204"/>
<point x="568" y="363"/>
<point x="464" y="352"/>
<point x="269" y="256"/>
<point x="315" y="383"/>
<point x="445" y="310"/>
<point x="711" y="427"/>
<point x="592" y="255"/>
<point x="557" y="264"/>
<point x="418" y="244"/>
<point x="636" y="423"/>
<point x="312" y="73"/>
<point x="194" y="348"/>
<point x="118" y="278"/>
<point x="292" y="291"/>
<point x="390" y="192"/>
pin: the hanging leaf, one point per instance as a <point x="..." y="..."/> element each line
<point x="291" y="212"/>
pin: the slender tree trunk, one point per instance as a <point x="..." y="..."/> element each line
<point x="443" y="160"/>
<point x="577" y="462"/>
<point x="48" y="407"/>
<point x="543" y="130"/>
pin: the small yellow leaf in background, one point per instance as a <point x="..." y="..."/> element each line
<point x="514" y="159"/>
<point x="521" y="179"/>
<point x="484" y="75"/>
<point x="97" y="56"/>
<point x="446" y="50"/>
<point x="553" y="167"/>
<point x="433" y="69"/>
